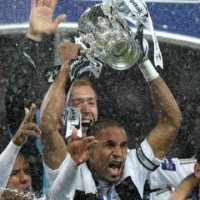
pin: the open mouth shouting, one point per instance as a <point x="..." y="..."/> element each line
<point x="86" y="122"/>
<point x="115" y="169"/>
<point x="85" y="125"/>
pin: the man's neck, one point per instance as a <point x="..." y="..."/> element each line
<point x="105" y="186"/>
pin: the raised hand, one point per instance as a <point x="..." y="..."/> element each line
<point x="27" y="127"/>
<point x="80" y="149"/>
<point x="68" y="51"/>
<point x="41" y="21"/>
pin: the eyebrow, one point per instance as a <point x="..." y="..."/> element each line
<point x="17" y="170"/>
<point x="14" y="171"/>
<point x="112" y="141"/>
<point x="80" y="99"/>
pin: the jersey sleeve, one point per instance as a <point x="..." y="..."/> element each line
<point x="139" y="166"/>
<point x="65" y="182"/>
<point x="171" y="172"/>
<point x="26" y="84"/>
<point x="7" y="160"/>
<point x="52" y="174"/>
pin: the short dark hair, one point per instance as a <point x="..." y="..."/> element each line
<point x="97" y="126"/>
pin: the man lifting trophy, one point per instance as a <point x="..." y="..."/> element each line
<point x="107" y="37"/>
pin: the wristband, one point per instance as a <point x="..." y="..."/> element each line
<point x="148" y="70"/>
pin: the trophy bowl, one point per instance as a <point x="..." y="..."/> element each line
<point x="109" y="37"/>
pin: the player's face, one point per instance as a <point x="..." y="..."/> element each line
<point x="197" y="170"/>
<point x="108" y="156"/>
<point x="84" y="98"/>
<point x="20" y="177"/>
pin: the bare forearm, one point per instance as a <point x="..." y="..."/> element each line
<point x="169" y="118"/>
<point x="51" y="111"/>
<point x="54" y="148"/>
<point x="53" y="103"/>
<point x="186" y="188"/>
<point x="166" y="106"/>
<point x="168" y="112"/>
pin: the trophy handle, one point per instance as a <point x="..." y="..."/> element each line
<point x="139" y="38"/>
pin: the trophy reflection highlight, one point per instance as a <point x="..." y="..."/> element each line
<point x="109" y="37"/>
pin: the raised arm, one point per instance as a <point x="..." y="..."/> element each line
<point x="169" y="118"/>
<point x="41" y="21"/>
<point x="54" y="147"/>
<point x="9" y="155"/>
<point x="26" y="83"/>
<point x="168" y="113"/>
<point x="185" y="188"/>
<point x="79" y="152"/>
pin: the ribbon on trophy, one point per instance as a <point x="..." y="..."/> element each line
<point x="136" y="12"/>
<point x="84" y="63"/>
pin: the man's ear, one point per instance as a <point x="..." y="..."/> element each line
<point x="197" y="170"/>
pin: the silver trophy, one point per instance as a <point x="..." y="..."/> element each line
<point x="136" y="13"/>
<point x="109" y="37"/>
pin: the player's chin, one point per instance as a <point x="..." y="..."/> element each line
<point x="114" y="179"/>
